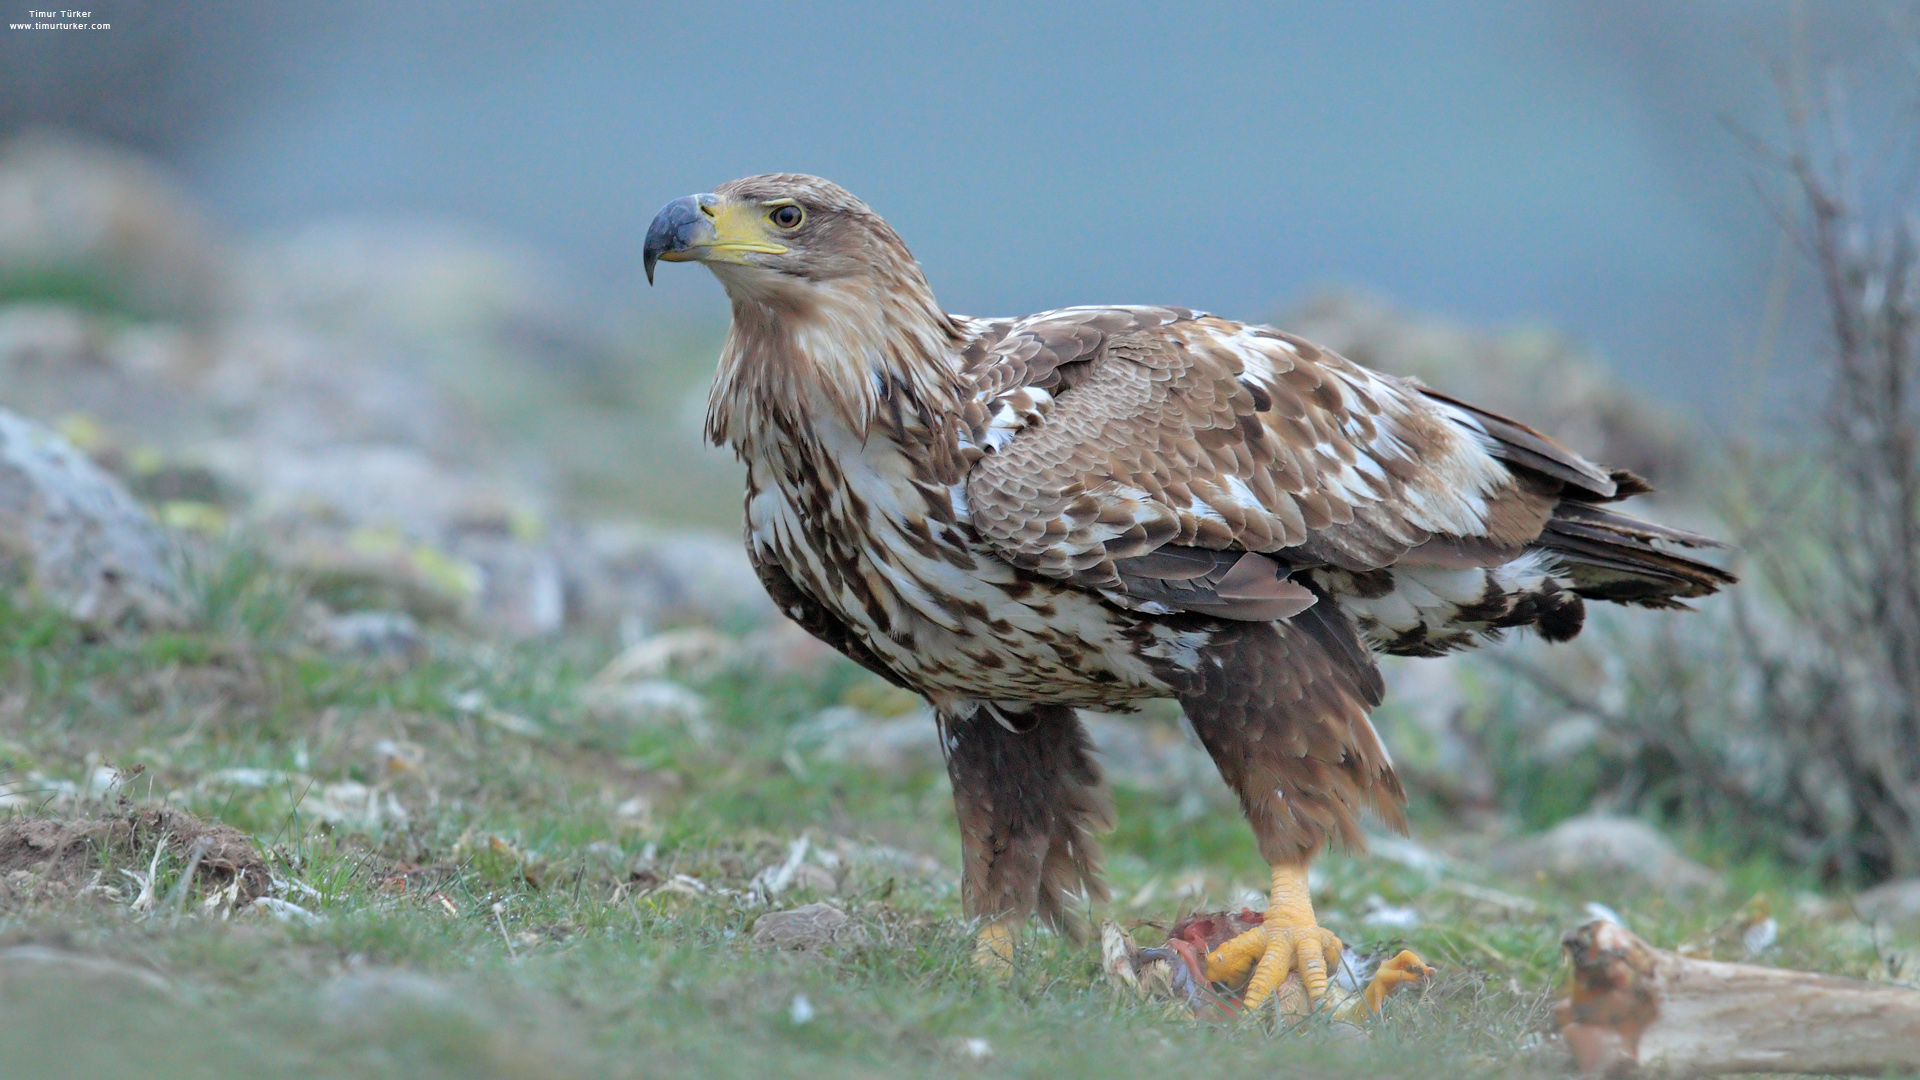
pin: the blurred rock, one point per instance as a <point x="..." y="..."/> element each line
<point x="339" y="395"/>
<point x="1535" y="376"/>
<point x="290" y="388"/>
<point x="668" y="575"/>
<point x="371" y="997"/>
<point x="522" y="588"/>
<point x="815" y="926"/>
<point x="780" y="645"/>
<point x="1597" y="846"/>
<point x="356" y="470"/>
<point x="465" y="1028"/>
<point x="814" y="878"/>
<point x="695" y="653"/>
<point x="1894" y="902"/>
<point x="104" y="226"/>
<point x="76" y="535"/>
<point x="378" y="634"/>
<point x="1413" y="856"/>
<point x="896" y="746"/>
<point x="650" y="703"/>
<point x="57" y="361"/>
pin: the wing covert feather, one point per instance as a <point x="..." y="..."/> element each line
<point x="1109" y="434"/>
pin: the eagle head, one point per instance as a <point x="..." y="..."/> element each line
<point x="828" y="303"/>
<point x="780" y="232"/>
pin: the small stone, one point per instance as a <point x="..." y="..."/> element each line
<point x="379" y="634"/>
<point x="651" y="703"/>
<point x="696" y="653"/>
<point x="814" y="926"/>
<point x="814" y="878"/>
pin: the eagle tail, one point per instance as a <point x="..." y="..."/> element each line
<point x="1623" y="559"/>
<point x="1608" y="555"/>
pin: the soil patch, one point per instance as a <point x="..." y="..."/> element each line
<point x="60" y="856"/>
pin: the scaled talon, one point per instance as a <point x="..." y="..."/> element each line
<point x="1294" y="942"/>
<point x="1403" y="970"/>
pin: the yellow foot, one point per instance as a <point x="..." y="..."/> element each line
<point x="993" y="949"/>
<point x="1288" y="940"/>
<point x="1392" y="976"/>
<point x="1403" y="970"/>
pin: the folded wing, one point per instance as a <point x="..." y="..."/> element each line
<point x="1180" y="462"/>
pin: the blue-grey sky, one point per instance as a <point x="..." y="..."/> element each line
<point x="1508" y="160"/>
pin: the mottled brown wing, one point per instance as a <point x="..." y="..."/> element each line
<point x="814" y="617"/>
<point x="1108" y="435"/>
<point x="1041" y="350"/>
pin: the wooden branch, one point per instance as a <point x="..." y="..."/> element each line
<point x="1637" y="1009"/>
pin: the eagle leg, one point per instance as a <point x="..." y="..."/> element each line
<point x="1029" y="800"/>
<point x="1282" y="709"/>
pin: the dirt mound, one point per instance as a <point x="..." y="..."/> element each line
<point x="46" y="856"/>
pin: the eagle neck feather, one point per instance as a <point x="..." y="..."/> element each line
<point x="871" y="354"/>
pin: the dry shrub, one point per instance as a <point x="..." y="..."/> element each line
<point x="1786" y="718"/>
<point x="1844" y="703"/>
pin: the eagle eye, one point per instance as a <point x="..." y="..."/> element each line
<point x="787" y="217"/>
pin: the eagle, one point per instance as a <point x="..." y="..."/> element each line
<point x="1094" y="507"/>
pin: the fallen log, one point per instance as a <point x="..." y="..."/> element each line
<point x="1633" y="1009"/>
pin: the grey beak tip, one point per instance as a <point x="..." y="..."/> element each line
<point x="675" y="228"/>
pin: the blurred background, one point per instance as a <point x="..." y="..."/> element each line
<point x="1569" y="168"/>
<point x="364" y="280"/>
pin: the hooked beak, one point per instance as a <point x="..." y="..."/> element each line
<point x="680" y="231"/>
<point x="709" y="229"/>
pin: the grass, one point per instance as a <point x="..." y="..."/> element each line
<point x="510" y="908"/>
